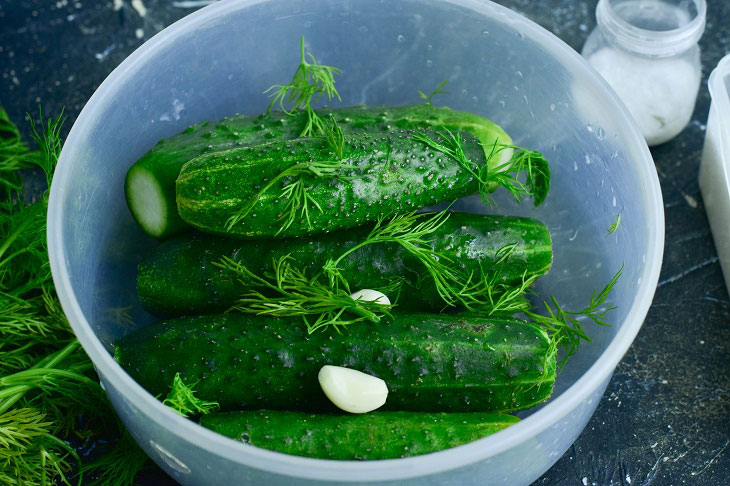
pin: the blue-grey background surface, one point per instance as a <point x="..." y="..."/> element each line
<point x="665" y="418"/>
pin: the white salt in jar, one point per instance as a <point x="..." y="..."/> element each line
<point x="647" y="51"/>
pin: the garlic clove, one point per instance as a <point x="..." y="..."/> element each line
<point x="351" y="390"/>
<point x="369" y="295"/>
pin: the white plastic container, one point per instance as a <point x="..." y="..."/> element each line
<point x="220" y="59"/>
<point x="715" y="165"/>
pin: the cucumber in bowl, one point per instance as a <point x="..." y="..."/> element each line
<point x="150" y="182"/>
<point x="180" y="276"/>
<point x="373" y="436"/>
<point x="431" y="362"/>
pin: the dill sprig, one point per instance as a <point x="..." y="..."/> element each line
<point x="310" y="82"/>
<point x="299" y="202"/>
<point x="40" y="403"/>
<point x="334" y="137"/>
<point x="565" y="325"/>
<point x="32" y="455"/>
<point x="286" y="291"/>
<point x="614" y="225"/>
<point x="530" y="164"/>
<point x="182" y="399"/>
<point x="439" y="90"/>
<point x="14" y="154"/>
<point x="118" y="465"/>
<point x="490" y="294"/>
<point x="324" y="300"/>
<point x="486" y="291"/>
<point x="48" y="139"/>
<point x="19" y="426"/>
<point x="49" y="391"/>
<point x="409" y="231"/>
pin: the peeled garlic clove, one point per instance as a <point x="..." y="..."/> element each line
<point x="351" y="390"/>
<point x="369" y="295"/>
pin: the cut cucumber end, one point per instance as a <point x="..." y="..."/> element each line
<point x="148" y="202"/>
<point x="503" y="155"/>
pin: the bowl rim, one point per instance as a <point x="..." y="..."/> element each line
<point x="353" y="471"/>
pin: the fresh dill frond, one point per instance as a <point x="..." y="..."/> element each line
<point x="565" y="326"/>
<point x="324" y="299"/>
<point x="24" y="266"/>
<point x="49" y="391"/>
<point x="437" y="91"/>
<point x="118" y="465"/>
<point x="182" y="399"/>
<point x="491" y="295"/>
<point x="286" y="291"/>
<point x="299" y="202"/>
<point x="311" y="81"/>
<point x="19" y="426"/>
<point x="46" y="460"/>
<point x="409" y="231"/>
<point x="48" y="139"/>
<point x="527" y="163"/>
<point x="14" y="153"/>
<point x="8" y="130"/>
<point x="334" y="137"/>
<point x="61" y="382"/>
<point x="486" y="292"/>
<point x="615" y="224"/>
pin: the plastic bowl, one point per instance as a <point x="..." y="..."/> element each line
<point x="220" y="59"/>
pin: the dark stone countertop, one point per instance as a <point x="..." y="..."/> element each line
<point x="665" y="418"/>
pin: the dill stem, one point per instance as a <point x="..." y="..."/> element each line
<point x="37" y="375"/>
<point x="379" y="238"/>
<point x="370" y="316"/>
<point x="357" y="247"/>
<point x="17" y="292"/>
<point x="281" y="175"/>
<point x="67" y="448"/>
<point x="47" y="362"/>
<point x="12" y="236"/>
<point x="12" y="255"/>
<point x="301" y="49"/>
<point x="55" y="358"/>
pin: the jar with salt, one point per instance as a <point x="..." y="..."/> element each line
<point x="647" y="51"/>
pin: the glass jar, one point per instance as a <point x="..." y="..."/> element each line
<point x="647" y="51"/>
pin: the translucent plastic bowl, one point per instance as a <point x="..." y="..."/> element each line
<point x="218" y="61"/>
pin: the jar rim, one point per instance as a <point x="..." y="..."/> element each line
<point x="655" y="43"/>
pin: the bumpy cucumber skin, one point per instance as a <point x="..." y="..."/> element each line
<point x="392" y="173"/>
<point x="164" y="161"/>
<point x="179" y="277"/>
<point x="430" y="362"/>
<point x="371" y="436"/>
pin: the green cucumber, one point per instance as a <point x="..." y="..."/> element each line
<point x="371" y="436"/>
<point x="388" y="173"/>
<point x="150" y="182"/>
<point x="430" y="362"/>
<point x="179" y="276"/>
